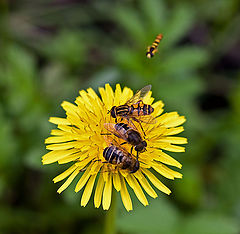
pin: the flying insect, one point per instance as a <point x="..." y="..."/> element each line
<point x="151" y="50"/>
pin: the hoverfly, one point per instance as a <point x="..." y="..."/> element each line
<point x="134" y="108"/>
<point x="117" y="155"/>
<point x="129" y="134"/>
<point x="151" y="50"/>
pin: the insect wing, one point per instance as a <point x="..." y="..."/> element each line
<point x="108" y="139"/>
<point x="146" y="119"/>
<point x="111" y="128"/>
<point x="139" y="95"/>
<point x="115" y="143"/>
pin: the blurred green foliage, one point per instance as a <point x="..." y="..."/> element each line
<point x="51" y="50"/>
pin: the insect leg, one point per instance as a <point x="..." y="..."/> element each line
<point x="137" y="155"/>
<point x="140" y="125"/>
<point x="97" y="160"/>
<point x="142" y="129"/>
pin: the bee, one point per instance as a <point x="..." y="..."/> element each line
<point x="153" y="48"/>
<point x="134" y="108"/>
<point x="129" y="134"/>
<point x="119" y="156"/>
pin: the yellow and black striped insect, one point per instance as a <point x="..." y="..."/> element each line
<point x="117" y="155"/>
<point x="129" y="134"/>
<point x="151" y="50"/>
<point x="134" y="108"/>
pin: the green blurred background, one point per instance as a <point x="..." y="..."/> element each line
<point x="49" y="50"/>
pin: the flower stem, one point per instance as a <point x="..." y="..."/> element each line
<point x="110" y="217"/>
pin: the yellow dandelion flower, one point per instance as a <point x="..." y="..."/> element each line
<point x="78" y="140"/>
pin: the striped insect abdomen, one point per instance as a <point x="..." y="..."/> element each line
<point x="153" y="48"/>
<point x="122" y="110"/>
<point x="113" y="155"/>
<point x="141" y="109"/>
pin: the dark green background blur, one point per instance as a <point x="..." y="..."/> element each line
<point x="49" y="50"/>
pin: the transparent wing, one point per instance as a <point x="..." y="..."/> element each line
<point x="112" y="141"/>
<point x="111" y="128"/>
<point x="139" y="95"/>
<point x="145" y="119"/>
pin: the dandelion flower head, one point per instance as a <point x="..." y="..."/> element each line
<point x="78" y="141"/>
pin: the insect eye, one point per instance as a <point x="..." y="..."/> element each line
<point x="112" y="111"/>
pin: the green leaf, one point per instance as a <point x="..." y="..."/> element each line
<point x="155" y="15"/>
<point x="184" y="59"/>
<point x="207" y="223"/>
<point x="190" y="189"/>
<point x="67" y="47"/>
<point x="181" y="21"/>
<point x="159" y="217"/>
<point x="129" y="19"/>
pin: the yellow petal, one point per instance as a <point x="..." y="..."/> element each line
<point x="96" y="167"/>
<point x="56" y="155"/>
<point x="85" y="162"/>
<point x="126" y="95"/>
<point x="98" y="192"/>
<point x="93" y="94"/>
<point x="116" y="181"/>
<point x="70" y="158"/>
<point x="57" y="132"/>
<point x="158" y="109"/>
<point x="160" y="169"/>
<point x="173" y="131"/>
<point x="103" y="94"/>
<point x="83" y="180"/>
<point x="86" y="99"/>
<point x="124" y="172"/>
<point x="50" y="140"/>
<point x="110" y="94"/>
<point x="68" y="181"/>
<point x="56" y="120"/>
<point x="117" y="95"/>
<point x="106" y="97"/>
<point x="69" y="107"/>
<point x="107" y="193"/>
<point x="64" y="174"/>
<point x="172" y="172"/>
<point x="174" y="140"/>
<point x="62" y="146"/>
<point x="137" y="189"/>
<point x="175" y="122"/>
<point x="146" y="186"/>
<point x="65" y="128"/>
<point x="173" y="148"/>
<point x="158" y="104"/>
<point x="165" y="158"/>
<point x="88" y="190"/>
<point x="126" y="199"/>
<point x="156" y="182"/>
<point x="166" y="117"/>
<point x="148" y="99"/>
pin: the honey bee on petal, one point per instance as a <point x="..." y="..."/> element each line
<point x="134" y="108"/>
<point x="129" y="134"/>
<point x="117" y="155"/>
<point x="153" y="48"/>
